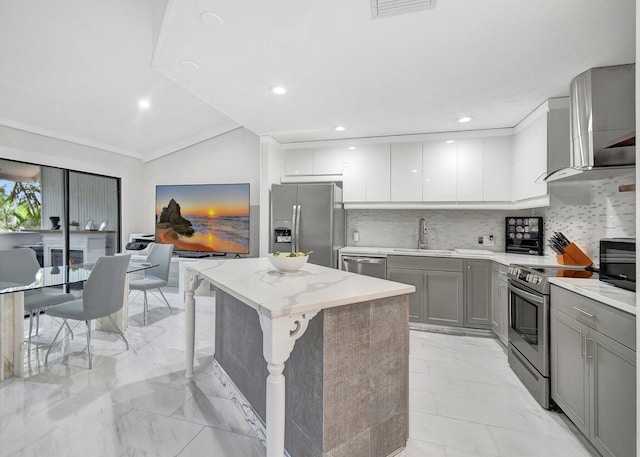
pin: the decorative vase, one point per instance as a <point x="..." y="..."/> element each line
<point x="54" y="222"/>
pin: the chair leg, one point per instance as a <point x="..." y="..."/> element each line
<point x="166" y="301"/>
<point x="89" y="342"/>
<point x="68" y="328"/>
<point x="146" y="309"/>
<point x="30" y="328"/>
<point x="37" y="324"/>
<point x="53" y="343"/>
<point x="119" y="332"/>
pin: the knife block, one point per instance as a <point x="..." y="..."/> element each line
<point x="573" y="255"/>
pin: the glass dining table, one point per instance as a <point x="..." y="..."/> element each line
<point x="12" y="309"/>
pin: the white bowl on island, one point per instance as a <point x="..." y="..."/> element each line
<point x="286" y="262"/>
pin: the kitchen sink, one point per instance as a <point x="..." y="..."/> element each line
<point x="425" y="251"/>
<point x="474" y="252"/>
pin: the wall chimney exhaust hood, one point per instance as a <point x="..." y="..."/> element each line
<point x="602" y="124"/>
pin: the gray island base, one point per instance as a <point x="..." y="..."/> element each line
<point x="341" y="389"/>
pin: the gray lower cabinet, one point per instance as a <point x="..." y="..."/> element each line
<point x="593" y="376"/>
<point x="439" y="282"/>
<point x="500" y="303"/>
<point x="478" y="278"/>
<point x="414" y="278"/>
<point x="443" y="297"/>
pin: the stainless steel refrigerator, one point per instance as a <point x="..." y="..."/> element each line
<point x="308" y="217"/>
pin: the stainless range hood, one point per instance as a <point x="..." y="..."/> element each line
<point x="602" y="123"/>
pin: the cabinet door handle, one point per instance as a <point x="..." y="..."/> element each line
<point x="587" y="355"/>
<point x="584" y="312"/>
<point x="583" y="344"/>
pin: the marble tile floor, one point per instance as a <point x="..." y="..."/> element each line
<point x="464" y="400"/>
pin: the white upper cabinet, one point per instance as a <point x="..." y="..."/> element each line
<point x="530" y="159"/>
<point x="439" y="171"/>
<point x="327" y="161"/>
<point x="366" y="174"/>
<point x="470" y="171"/>
<point x="467" y="170"/>
<point x="378" y="173"/>
<point x="543" y="132"/>
<point x="497" y="169"/>
<point x="354" y="175"/>
<point x="313" y="162"/>
<point x="406" y="172"/>
<point x="298" y="162"/>
<point x="489" y="169"/>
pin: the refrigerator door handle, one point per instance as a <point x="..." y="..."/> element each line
<point x="297" y="225"/>
<point x="294" y="231"/>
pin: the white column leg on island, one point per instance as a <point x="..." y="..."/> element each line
<point x="278" y="338"/>
<point x="191" y="282"/>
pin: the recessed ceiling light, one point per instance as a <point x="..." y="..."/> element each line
<point x="188" y="65"/>
<point x="414" y="171"/>
<point x="464" y="119"/>
<point x="144" y="104"/>
<point x="450" y="141"/>
<point x="351" y="147"/>
<point x="279" y="90"/>
<point x="211" y="19"/>
<point x="340" y="128"/>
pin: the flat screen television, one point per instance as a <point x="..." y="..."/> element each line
<point x="205" y="218"/>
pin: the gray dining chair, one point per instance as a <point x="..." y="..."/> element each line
<point x="155" y="277"/>
<point x="21" y="266"/>
<point x="103" y="295"/>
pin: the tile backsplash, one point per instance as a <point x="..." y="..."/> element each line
<point x="584" y="211"/>
<point x="448" y="229"/>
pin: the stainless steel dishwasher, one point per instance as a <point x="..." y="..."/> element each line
<point x="370" y="266"/>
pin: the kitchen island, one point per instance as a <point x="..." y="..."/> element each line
<point x="344" y="338"/>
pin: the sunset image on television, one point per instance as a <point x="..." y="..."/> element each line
<point x="203" y="217"/>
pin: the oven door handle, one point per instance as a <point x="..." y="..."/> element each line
<point x="527" y="295"/>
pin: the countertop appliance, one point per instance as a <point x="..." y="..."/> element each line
<point x="601" y="121"/>
<point x="523" y="235"/>
<point x="618" y="262"/>
<point x="529" y="352"/>
<point x="365" y="265"/>
<point x="308" y="217"/>
<point x="139" y="243"/>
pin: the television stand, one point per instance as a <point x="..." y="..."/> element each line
<point x="193" y="255"/>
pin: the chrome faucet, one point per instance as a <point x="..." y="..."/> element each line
<point x="422" y="234"/>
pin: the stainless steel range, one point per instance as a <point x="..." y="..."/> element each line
<point x="529" y="324"/>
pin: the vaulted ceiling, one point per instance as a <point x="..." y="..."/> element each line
<point x="76" y="69"/>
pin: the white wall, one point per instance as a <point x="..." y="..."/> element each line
<point x="28" y="147"/>
<point x="272" y="168"/>
<point x="230" y="158"/>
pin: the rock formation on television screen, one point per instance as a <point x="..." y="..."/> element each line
<point x="171" y="215"/>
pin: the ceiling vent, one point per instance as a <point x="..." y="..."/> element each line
<point x="382" y="8"/>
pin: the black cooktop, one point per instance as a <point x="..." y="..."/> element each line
<point x="565" y="271"/>
<point x="537" y="277"/>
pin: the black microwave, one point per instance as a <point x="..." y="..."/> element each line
<point x="618" y="262"/>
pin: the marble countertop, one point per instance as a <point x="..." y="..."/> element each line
<point x="257" y="283"/>
<point x="603" y="292"/>
<point x="501" y="257"/>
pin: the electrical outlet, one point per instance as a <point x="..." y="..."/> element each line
<point x="480" y="239"/>
<point x="488" y="240"/>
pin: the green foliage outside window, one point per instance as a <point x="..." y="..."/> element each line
<point x="20" y="206"/>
